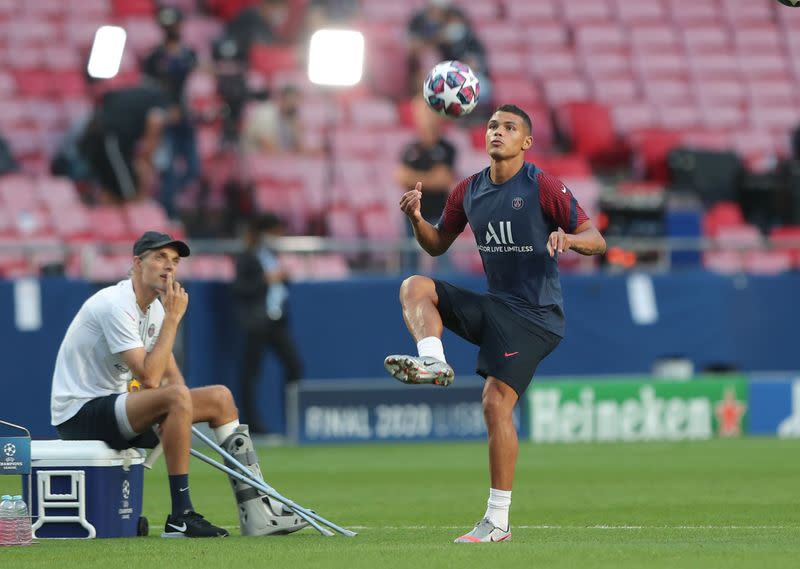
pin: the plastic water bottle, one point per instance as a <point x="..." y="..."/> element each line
<point x="23" y="521"/>
<point x="7" y="523"/>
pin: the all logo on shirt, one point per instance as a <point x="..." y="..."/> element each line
<point x="500" y="239"/>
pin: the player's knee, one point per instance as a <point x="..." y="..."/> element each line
<point x="415" y="287"/>
<point x="496" y="405"/>
<point x="224" y="398"/>
<point x="180" y="399"/>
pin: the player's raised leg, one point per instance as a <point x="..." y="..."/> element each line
<point x="419" y="301"/>
<point x="498" y="405"/>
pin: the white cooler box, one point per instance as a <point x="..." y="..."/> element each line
<point x="84" y="489"/>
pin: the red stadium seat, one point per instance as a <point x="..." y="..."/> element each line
<point x="767" y="262"/>
<point x="600" y="37"/>
<point x="619" y="90"/>
<point x="480" y="11"/>
<point x="631" y="116"/>
<point x="764" y="38"/>
<point x="660" y="64"/>
<point x="373" y="113"/>
<point x="744" y="13"/>
<point x="651" y="148"/>
<point x="653" y="36"/>
<point x="787" y="239"/>
<point x="591" y="130"/>
<point x="722" y="116"/>
<point x="706" y="39"/>
<point x="127" y="8"/>
<point x="685" y="12"/>
<point x="109" y="224"/>
<point x="577" y="11"/>
<point x="330" y="266"/>
<point x="565" y="90"/>
<point x="678" y="116"/>
<point x="144" y="216"/>
<point x="507" y="61"/>
<point x="605" y="65"/>
<point x="764" y="65"/>
<point x="566" y="166"/>
<point x="722" y="214"/>
<point x="500" y="35"/>
<point x="665" y="91"/>
<point x="544" y="34"/>
<point x="553" y="64"/>
<point x="342" y="223"/>
<point x="531" y="12"/>
<point x="710" y="91"/>
<point x="72" y="223"/>
<point x="723" y="262"/>
<point x="211" y="268"/>
<point x="635" y="13"/>
<point x="738" y="236"/>
<point x="268" y="59"/>
<point x="714" y="65"/>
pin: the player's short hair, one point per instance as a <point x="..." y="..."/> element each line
<point x="515" y="110"/>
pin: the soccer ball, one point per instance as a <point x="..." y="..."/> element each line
<point x="451" y="89"/>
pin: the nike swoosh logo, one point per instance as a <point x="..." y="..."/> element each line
<point x="430" y="364"/>
<point x="178" y="528"/>
<point x="184" y="489"/>
<point x="509" y="354"/>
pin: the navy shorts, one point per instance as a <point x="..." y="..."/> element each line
<point x="511" y="346"/>
<point x="96" y="420"/>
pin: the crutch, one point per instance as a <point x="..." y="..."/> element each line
<point x="246" y="476"/>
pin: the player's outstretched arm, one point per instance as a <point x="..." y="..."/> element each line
<point x="586" y="240"/>
<point x="432" y="240"/>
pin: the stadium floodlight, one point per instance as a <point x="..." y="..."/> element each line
<point x="106" y="54"/>
<point x="336" y="57"/>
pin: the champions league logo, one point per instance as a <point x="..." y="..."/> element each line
<point x="9" y="449"/>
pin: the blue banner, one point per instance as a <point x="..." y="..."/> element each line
<point x="15" y="455"/>
<point x="775" y="406"/>
<point x="376" y="410"/>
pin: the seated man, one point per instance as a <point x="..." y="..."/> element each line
<point x="122" y="334"/>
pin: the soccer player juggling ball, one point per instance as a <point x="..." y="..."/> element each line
<point x="522" y="219"/>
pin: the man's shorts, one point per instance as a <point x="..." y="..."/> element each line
<point x="511" y="346"/>
<point x="97" y="420"/>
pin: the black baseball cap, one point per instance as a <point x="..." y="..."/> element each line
<point x="155" y="240"/>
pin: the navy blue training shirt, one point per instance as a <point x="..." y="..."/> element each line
<point x="512" y="222"/>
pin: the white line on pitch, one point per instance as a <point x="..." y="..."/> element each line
<point x="595" y="527"/>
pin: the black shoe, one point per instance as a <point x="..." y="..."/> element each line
<point x="191" y="524"/>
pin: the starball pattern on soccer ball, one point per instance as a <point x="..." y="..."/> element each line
<point x="451" y="89"/>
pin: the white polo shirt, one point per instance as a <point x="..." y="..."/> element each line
<point x="89" y="363"/>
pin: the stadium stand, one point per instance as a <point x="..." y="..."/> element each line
<point x="611" y="84"/>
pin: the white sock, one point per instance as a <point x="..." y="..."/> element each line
<point x="498" y="506"/>
<point x="431" y="346"/>
<point x="224" y="431"/>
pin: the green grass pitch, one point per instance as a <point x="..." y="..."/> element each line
<point x="716" y="504"/>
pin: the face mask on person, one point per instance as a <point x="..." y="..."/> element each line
<point x="455" y="32"/>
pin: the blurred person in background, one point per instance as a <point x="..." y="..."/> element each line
<point x="430" y="159"/>
<point x="263" y="22"/>
<point x="457" y="40"/>
<point x="121" y="140"/>
<point x="261" y="296"/>
<point x="230" y="70"/>
<point x="7" y="161"/>
<point x="424" y="31"/>
<point x="274" y="125"/>
<point x="170" y="64"/>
